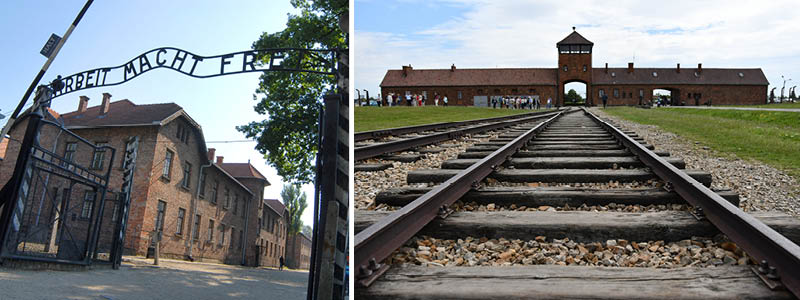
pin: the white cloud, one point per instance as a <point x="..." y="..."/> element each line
<point x="719" y="34"/>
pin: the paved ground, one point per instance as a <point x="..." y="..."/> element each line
<point x="740" y="108"/>
<point x="138" y="279"/>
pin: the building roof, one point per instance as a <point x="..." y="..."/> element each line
<point x="232" y="178"/>
<point x="121" y="113"/>
<point x="574" y="38"/>
<point x="470" y="77"/>
<point x="670" y="76"/>
<point x="243" y="170"/>
<point x="276" y="206"/>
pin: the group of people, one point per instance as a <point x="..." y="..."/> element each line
<point x="393" y="99"/>
<point x="527" y="102"/>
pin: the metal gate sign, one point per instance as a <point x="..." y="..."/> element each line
<point x="320" y="61"/>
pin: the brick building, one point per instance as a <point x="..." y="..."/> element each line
<point x="302" y="251"/>
<point x="204" y="210"/>
<point x="624" y="86"/>
<point x="271" y="239"/>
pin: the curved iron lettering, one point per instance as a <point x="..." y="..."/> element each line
<point x="319" y="61"/>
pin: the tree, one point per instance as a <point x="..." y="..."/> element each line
<point x="307" y="230"/>
<point x="295" y="201"/>
<point x="572" y="97"/>
<point x="292" y="101"/>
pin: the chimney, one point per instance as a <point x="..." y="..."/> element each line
<point x="104" y="106"/>
<point x="83" y="103"/>
<point x="211" y="152"/>
<point x="219" y="160"/>
<point x="699" y="68"/>
<point x="678" y="69"/>
<point x="606" y="68"/>
<point x="453" y="68"/>
<point x="630" y="67"/>
<point x="406" y="69"/>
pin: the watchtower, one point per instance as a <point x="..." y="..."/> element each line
<point x="574" y="64"/>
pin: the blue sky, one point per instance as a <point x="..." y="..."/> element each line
<point x="433" y="34"/>
<point x="114" y="32"/>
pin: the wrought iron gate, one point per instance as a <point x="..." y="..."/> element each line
<point x="60" y="209"/>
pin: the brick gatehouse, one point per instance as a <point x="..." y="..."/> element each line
<point x="624" y="86"/>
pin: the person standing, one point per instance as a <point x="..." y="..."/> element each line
<point x="549" y="101"/>
<point x="281" y="262"/>
<point x="436" y="100"/>
<point x="605" y="99"/>
<point x="445" y="100"/>
<point x="389" y="99"/>
<point x="408" y="99"/>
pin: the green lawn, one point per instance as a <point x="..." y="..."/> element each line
<point x="372" y="118"/>
<point x="767" y="136"/>
<point x="776" y="105"/>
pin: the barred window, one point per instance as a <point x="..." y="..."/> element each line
<point x="167" y="170"/>
<point x="181" y="216"/>
<point x="187" y="174"/>
<point x="99" y="156"/>
<point x="88" y="203"/>
<point x="69" y="151"/>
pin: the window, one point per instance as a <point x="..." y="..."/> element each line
<point x="584" y="68"/>
<point x="514" y="91"/>
<point x="187" y="174"/>
<point x="616" y="93"/>
<point x="202" y="184"/>
<point x="99" y="156"/>
<point x="641" y="93"/>
<point x="181" y="216"/>
<point x="210" y="230"/>
<point x="459" y="94"/>
<point x="630" y="94"/>
<point x="602" y="92"/>
<point x="222" y="234"/>
<point x="162" y="207"/>
<point x="565" y="68"/>
<point x="196" y="229"/>
<point x="227" y="202"/>
<point x="532" y="91"/>
<point x="235" y="204"/>
<point x="655" y="74"/>
<point x="88" y="203"/>
<point x="233" y="229"/>
<point x="214" y="189"/>
<point x="613" y="74"/>
<point x="69" y="151"/>
<point x="167" y="170"/>
<point x="183" y="133"/>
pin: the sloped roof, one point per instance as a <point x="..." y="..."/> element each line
<point x="243" y="170"/>
<point x="574" y="38"/>
<point x="121" y="113"/>
<point x="686" y="76"/>
<point x="470" y="77"/>
<point x="276" y="206"/>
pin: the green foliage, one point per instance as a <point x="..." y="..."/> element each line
<point x="307" y="230"/>
<point x="295" y="201"/>
<point x="291" y="100"/>
<point x="572" y="97"/>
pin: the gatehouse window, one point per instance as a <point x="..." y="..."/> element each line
<point x="630" y="95"/>
<point x="565" y="68"/>
<point x="641" y="93"/>
<point x="616" y="93"/>
<point x="655" y="74"/>
<point x="613" y="74"/>
<point x="459" y="94"/>
<point x="584" y="68"/>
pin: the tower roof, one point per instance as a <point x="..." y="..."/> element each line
<point x="574" y="38"/>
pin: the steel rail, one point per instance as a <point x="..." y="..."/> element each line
<point x="370" y="151"/>
<point x="367" y="135"/>
<point x="378" y="241"/>
<point x="757" y="239"/>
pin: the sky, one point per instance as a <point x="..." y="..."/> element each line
<point x="114" y="32"/>
<point x="433" y="34"/>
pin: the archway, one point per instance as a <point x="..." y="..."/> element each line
<point x="575" y="93"/>
<point x="667" y="95"/>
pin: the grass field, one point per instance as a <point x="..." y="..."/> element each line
<point x="372" y="118"/>
<point x="777" y="105"/>
<point x="767" y="136"/>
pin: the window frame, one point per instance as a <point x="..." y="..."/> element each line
<point x="181" y="218"/>
<point x="187" y="175"/>
<point x="97" y="163"/>
<point x="210" y="230"/>
<point x="202" y="192"/>
<point x="167" y="164"/>
<point x="196" y="229"/>
<point x="215" y="189"/>
<point x="161" y="214"/>
<point x="88" y="198"/>
<point x="69" y="154"/>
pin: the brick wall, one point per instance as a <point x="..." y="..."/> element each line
<point x="469" y="92"/>
<point x="719" y="94"/>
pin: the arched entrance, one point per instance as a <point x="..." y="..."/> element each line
<point x="575" y="93"/>
<point x="668" y="95"/>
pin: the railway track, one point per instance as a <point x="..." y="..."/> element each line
<point x="571" y="208"/>
<point x="383" y="142"/>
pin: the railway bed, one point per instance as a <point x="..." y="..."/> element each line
<point x="432" y="248"/>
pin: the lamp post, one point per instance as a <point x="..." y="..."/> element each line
<point x="784" y="86"/>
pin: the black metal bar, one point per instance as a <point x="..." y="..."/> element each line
<point x="757" y="239"/>
<point x="396" y="146"/>
<point x="377" y="241"/>
<point x="315" y="232"/>
<point x="366" y="135"/>
<point x="19" y="169"/>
